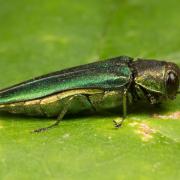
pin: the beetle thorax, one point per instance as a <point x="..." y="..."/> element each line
<point x="149" y="78"/>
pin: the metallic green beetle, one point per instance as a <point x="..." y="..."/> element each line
<point x="51" y="95"/>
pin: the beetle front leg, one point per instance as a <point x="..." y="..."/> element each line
<point x="118" y="124"/>
<point x="60" y="117"/>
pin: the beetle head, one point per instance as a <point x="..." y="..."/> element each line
<point x="159" y="80"/>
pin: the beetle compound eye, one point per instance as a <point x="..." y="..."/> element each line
<point x="172" y="84"/>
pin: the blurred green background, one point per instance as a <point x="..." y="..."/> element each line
<point x="38" y="37"/>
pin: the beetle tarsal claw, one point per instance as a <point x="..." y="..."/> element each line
<point x="39" y="130"/>
<point x="117" y="123"/>
<point x="45" y="128"/>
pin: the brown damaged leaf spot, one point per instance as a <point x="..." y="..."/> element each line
<point x="175" y="116"/>
<point x="145" y="131"/>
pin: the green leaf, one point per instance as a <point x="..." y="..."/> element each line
<point x="38" y="37"/>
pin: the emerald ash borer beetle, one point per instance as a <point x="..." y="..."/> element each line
<point x="51" y="95"/>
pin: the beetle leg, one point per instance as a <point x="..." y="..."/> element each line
<point x="119" y="123"/>
<point x="91" y="104"/>
<point x="87" y="97"/>
<point x="62" y="113"/>
<point x="95" y="100"/>
<point x="60" y="117"/>
<point x="124" y="104"/>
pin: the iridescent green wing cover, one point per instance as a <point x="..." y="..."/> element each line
<point x="107" y="75"/>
